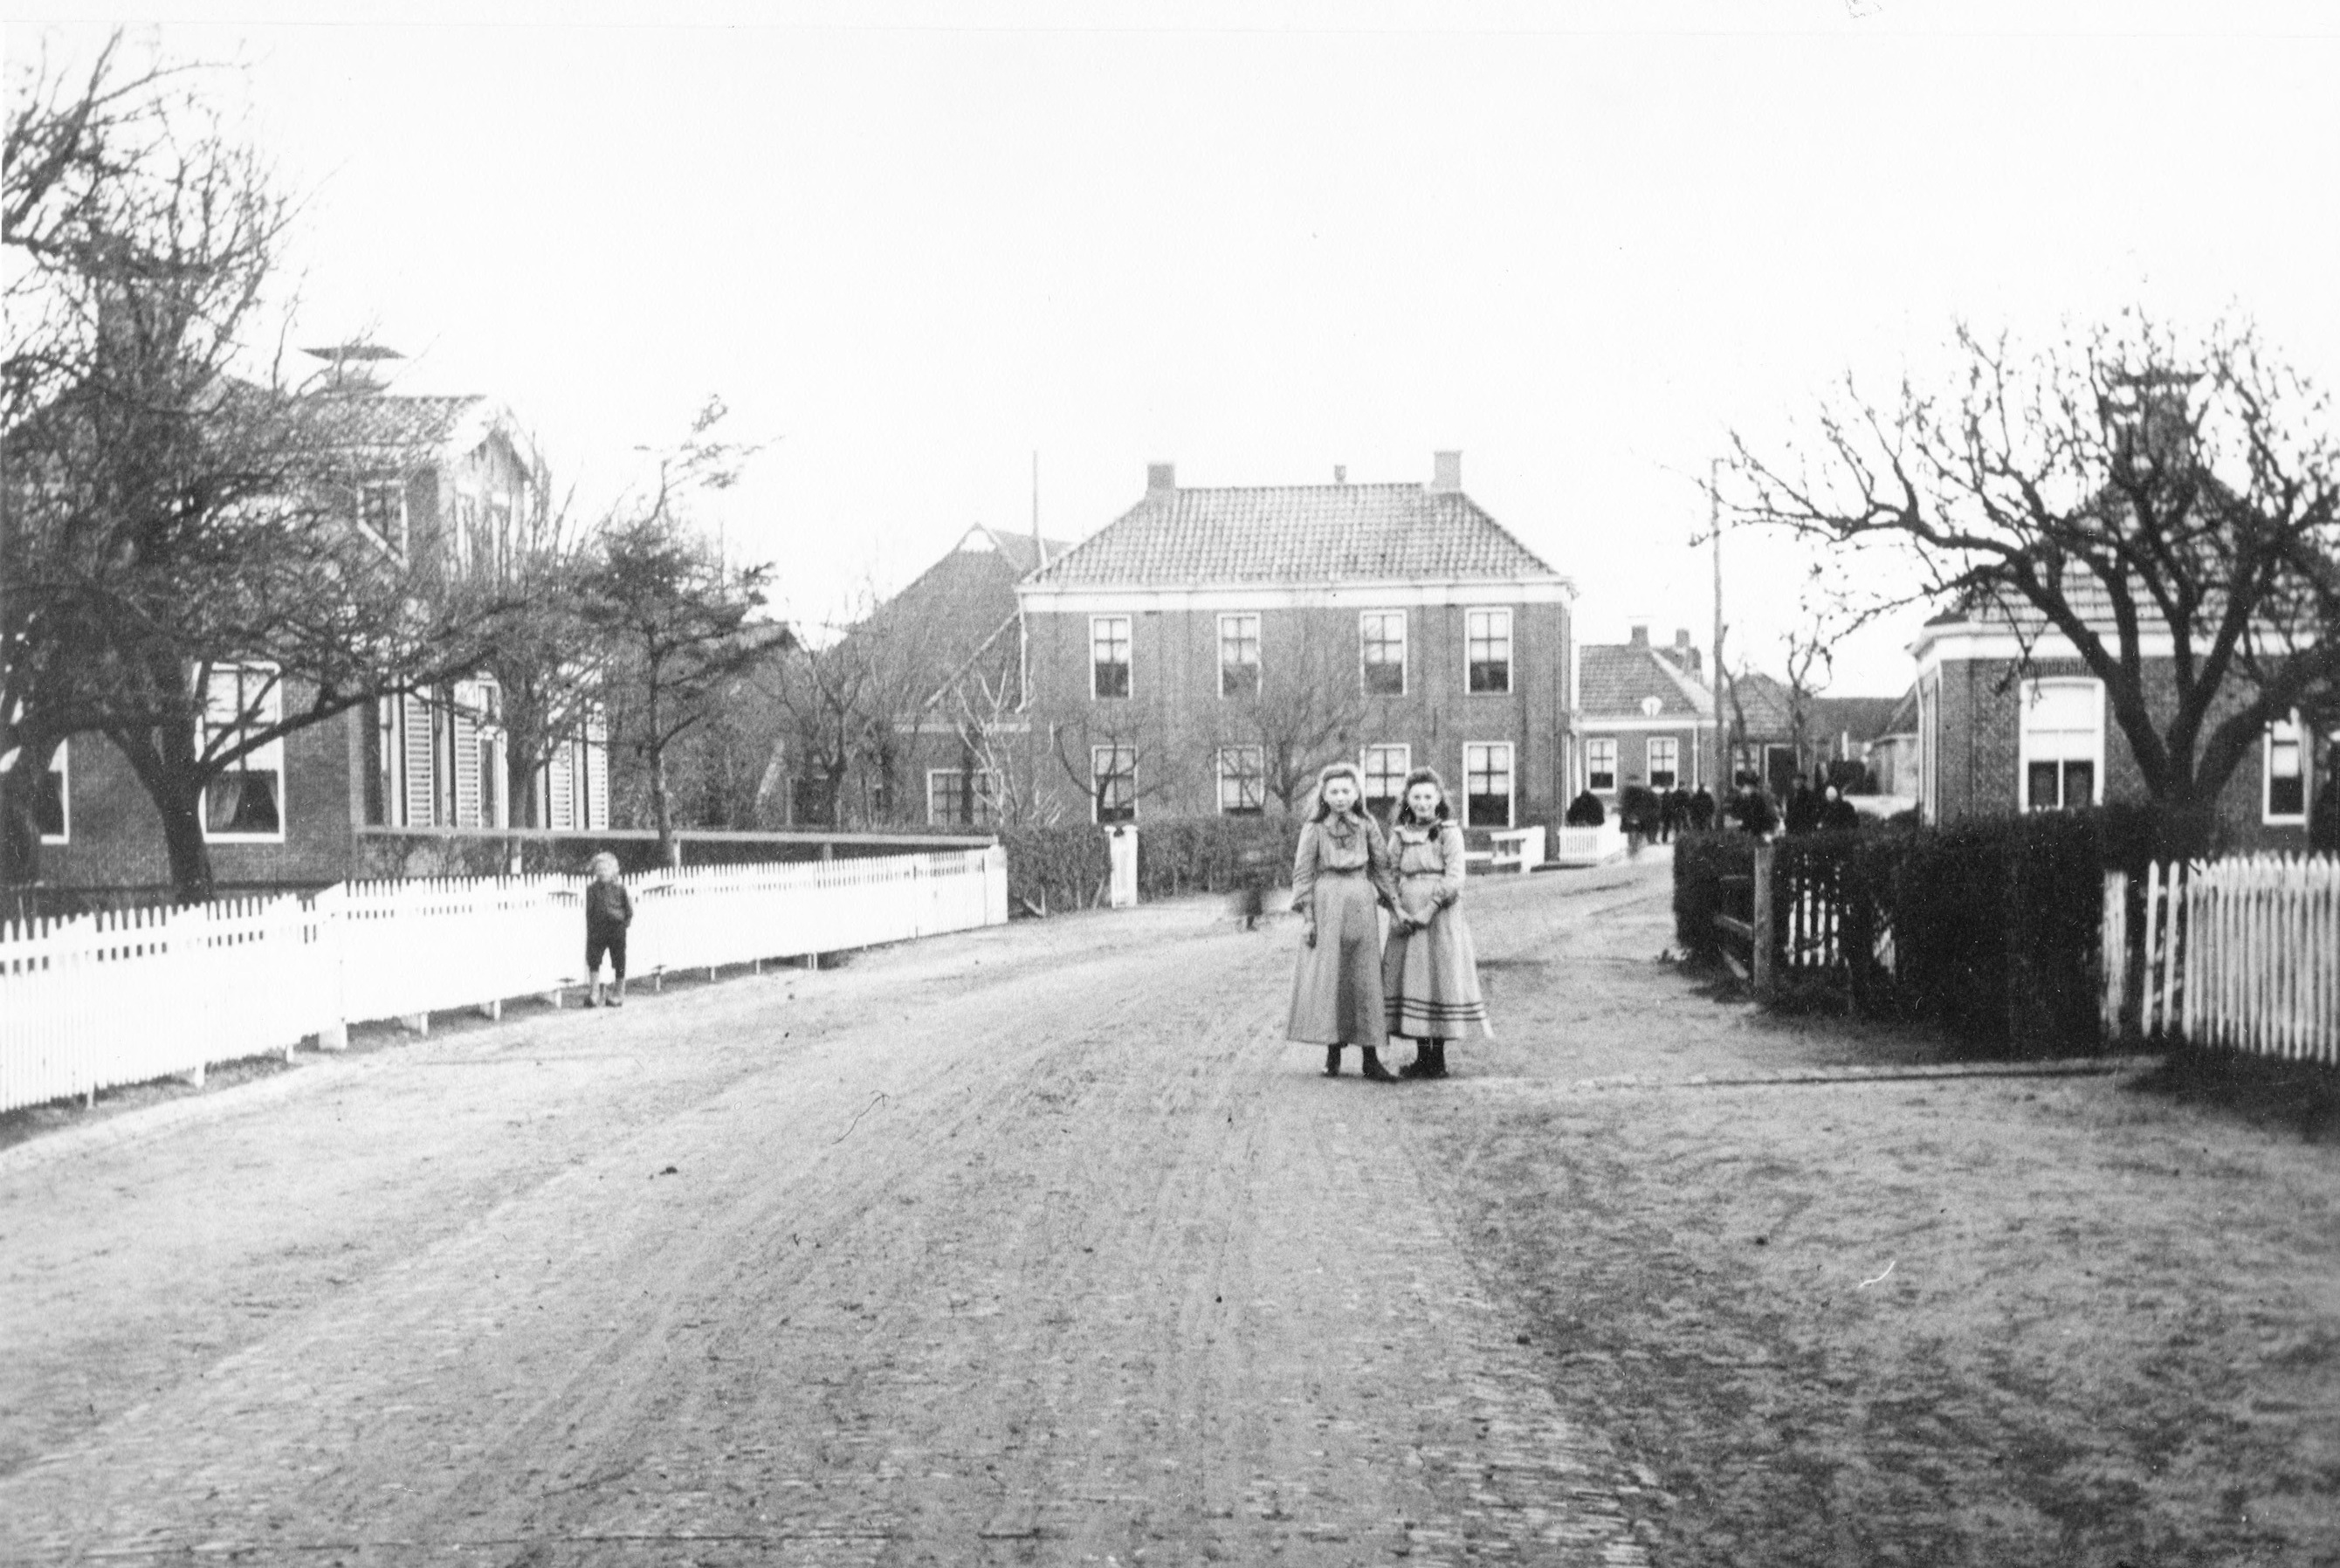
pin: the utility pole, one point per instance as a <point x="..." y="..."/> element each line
<point x="1714" y="537"/>
<point x="1039" y="550"/>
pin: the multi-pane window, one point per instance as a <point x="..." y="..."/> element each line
<point x="381" y="508"/>
<point x="1238" y="655"/>
<point x="464" y="536"/>
<point x="1385" y="768"/>
<point x="1601" y="763"/>
<point x="1488" y="633"/>
<point x="1487" y="784"/>
<point x="1383" y="632"/>
<point x="2285" y="771"/>
<point x="1665" y="761"/>
<point x="495" y="543"/>
<point x="246" y="799"/>
<point x="1113" y="783"/>
<point x="52" y="797"/>
<point x="1108" y="656"/>
<point x="2063" y="744"/>
<point x="1242" y="781"/>
<point x="962" y="798"/>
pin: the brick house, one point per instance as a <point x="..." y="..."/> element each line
<point x="1201" y="650"/>
<point x="436" y="479"/>
<point x="1644" y="716"/>
<point x="2010" y="718"/>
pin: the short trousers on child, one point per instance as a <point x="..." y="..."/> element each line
<point x="609" y="940"/>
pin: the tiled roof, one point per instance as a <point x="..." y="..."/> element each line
<point x="1300" y="533"/>
<point x="1762" y="700"/>
<point x="386" y="423"/>
<point x="955" y="609"/>
<point x="1617" y="677"/>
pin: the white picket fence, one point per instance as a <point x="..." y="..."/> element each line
<point x="101" y="1000"/>
<point x="2242" y="953"/>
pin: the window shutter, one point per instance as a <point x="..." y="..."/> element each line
<point x="418" y="735"/>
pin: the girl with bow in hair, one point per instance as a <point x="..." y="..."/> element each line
<point x="1340" y="878"/>
<point x="1429" y="971"/>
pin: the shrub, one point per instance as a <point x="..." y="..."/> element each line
<point x="1068" y="866"/>
<point x="1055" y="868"/>
<point x="1994" y="923"/>
<point x="1701" y="862"/>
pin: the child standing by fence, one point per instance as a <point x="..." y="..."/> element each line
<point x="608" y="910"/>
<point x="1429" y="971"/>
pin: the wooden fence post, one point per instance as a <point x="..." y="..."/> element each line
<point x="1764" y="937"/>
<point x="2114" y="953"/>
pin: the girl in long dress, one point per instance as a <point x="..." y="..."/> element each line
<point x="1429" y="971"/>
<point x="1340" y="880"/>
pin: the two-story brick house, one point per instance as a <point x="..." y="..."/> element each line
<point x="1209" y="646"/>
<point x="436" y="480"/>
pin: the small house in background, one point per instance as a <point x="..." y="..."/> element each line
<point x="1893" y="752"/>
<point x="1844" y="734"/>
<point x="2009" y="720"/>
<point x="1204" y="651"/>
<point x="941" y="667"/>
<point x="437" y="482"/>
<point x="1758" y="728"/>
<point x="1644" y="716"/>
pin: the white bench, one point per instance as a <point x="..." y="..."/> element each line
<point x="1515" y="849"/>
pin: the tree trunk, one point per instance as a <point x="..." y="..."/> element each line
<point x="661" y="810"/>
<point x="191" y="852"/>
<point x="20" y="829"/>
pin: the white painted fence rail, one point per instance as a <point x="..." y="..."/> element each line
<point x="107" y="999"/>
<point x="2242" y="953"/>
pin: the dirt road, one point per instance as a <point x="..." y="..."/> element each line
<point x="1035" y="1245"/>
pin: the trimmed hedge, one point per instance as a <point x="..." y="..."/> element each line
<point x="1994" y="923"/>
<point x="1068" y="866"/>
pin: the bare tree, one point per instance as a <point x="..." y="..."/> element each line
<point x="1139" y="764"/>
<point x="2165" y="504"/>
<point x="176" y="570"/>
<point x="1304" y="714"/>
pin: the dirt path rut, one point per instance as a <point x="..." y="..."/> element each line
<point x="1034" y="1246"/>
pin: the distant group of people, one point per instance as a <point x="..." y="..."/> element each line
<point x="1658" y="815"/>
<point x="1814" y="806"/>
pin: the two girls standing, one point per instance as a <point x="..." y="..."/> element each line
<point x="1352" y="989"/>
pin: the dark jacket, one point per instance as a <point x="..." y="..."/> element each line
<point x="607" y="905"/>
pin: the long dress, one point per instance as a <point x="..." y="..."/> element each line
<point x="1342" y="874"/>
<point x="1430" y="978"/>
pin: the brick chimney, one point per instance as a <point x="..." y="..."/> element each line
<point x="1685" y="650"/>
<point x="1161" y="477"/>
<point x="1640" y="635"/>
<point x="1446" y="473"/>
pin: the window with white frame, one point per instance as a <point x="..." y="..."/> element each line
<point x="1381" y="633"/>
<point x="1242" y="781"/>
<point x="1385" y="768"/>
<point x="463" y="536"/>
<point x="1601" y="764"/>
<point x="1488" y="636"/>
<point x="1113" y="783"/>
<point x="2062" y="745"/>
<point x="2285" y="796"/>
<point x="1665" y="761"/>
<point x="53" y="800"/>
<point x="1238" y="655"/>
<point x="246" y="801"/>
<point x="1487" y="784"/>
<point x="962" y="797"/>
<point x="1108" y="656"/>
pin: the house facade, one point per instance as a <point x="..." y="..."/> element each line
<point x="1209" y="649"/>
<point x="2011" y="722"/>
<point x="435" y="481"/>
<point x="1644" y="716"/>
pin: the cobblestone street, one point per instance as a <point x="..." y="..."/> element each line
<point x="1037" y="1244"/>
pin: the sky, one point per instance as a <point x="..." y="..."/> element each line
<point x="911" y="245"/>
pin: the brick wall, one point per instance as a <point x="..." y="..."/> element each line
<point x="1981" y="750"/>
<point x="1176" y="709"/>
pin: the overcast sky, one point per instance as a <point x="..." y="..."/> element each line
<point x="913" y="245"/>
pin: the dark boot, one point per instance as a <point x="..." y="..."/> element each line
<point x="1374" y="1069"/>
<point x="1420" y="1067"/>
<point x="1437" y="1050"/>
<point x="1332" y="1061"/>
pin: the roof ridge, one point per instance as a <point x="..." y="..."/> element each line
<point x="1696" y="690"/>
